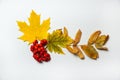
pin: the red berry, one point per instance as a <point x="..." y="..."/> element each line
<point x="40" y="60"/>
<point x="35" y="47"/>
<point x="42" y="48"/>
<point x="44" y="51"/>
<point x="39" y="49"/>
<point x="43" y="59"/>
<point x="35" y="42"/>
<point x="32" y="48"/>
<point x="36" y="57"/>
<point x="39" y="45"/>
<point x="43" y="42"/>
<point x="35" y="51"/>
<point x="48" y="55"/>
<point x="45" y="55"/>
<point x="48" y="59"/>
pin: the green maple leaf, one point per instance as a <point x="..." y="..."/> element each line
<point x="58" y="40"/>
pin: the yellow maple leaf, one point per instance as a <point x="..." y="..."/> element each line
<point x="35" y="30"/>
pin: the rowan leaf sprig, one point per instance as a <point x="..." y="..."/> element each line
<point x="89" y="49"/>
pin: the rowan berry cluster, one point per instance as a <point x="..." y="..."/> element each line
<point x="39" y="51"/>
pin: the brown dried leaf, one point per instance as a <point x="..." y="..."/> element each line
<point x="71" y="50"/>
<point x="94" y="37"/>
<point x="90" y="51"/>
<point x="101" y="47"/>
<point x="79" y="53"/>
<point x="101" y="41"/>
<point x="77" y="37"/>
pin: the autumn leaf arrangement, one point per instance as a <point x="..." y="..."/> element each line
<point x="41" y="41"/>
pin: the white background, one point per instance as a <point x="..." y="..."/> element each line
<point x="16" y="62"/>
